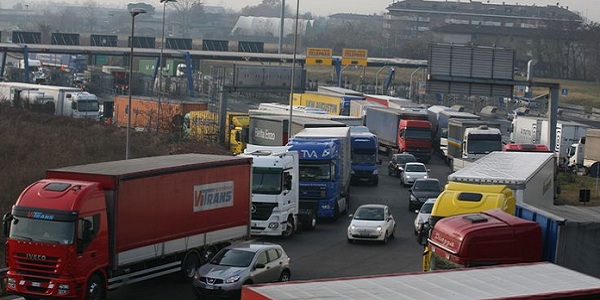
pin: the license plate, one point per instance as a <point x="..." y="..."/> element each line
<point x="210" y="287"/>
<point x="36" y="284"/>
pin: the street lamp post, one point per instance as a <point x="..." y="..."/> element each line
<point x="160" y="61"/>
<point x="134" y="12"/>
<point x="293" y="67"/>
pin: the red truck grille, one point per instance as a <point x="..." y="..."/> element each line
<point x="39" y="270"/>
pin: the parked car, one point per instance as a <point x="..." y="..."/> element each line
<point x="372" y="222"/>
<point x="422" y="190"/>
<point x="413" y="171"/>
<point x="424" y="213"/>
<point x="398" y="161"/>
<point x="237" y="265"/>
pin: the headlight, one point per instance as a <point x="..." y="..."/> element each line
<point x="375" y="172"/>
<point x="197" y="275"/>
<point x="352" y="172"/>
<point x="273" y="224"/>
<point x="379" y="228"/>
<point x="352" y="227"/>
<point x="232" y="279"/>
<point x="413" y="198"/>
<point x="407" y="176"/>
<point x="425" y="176"/>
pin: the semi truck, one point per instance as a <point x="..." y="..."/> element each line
<point x="392" y="102"/>
<point x="204" y="125"/>
<point x="530" y="175"/>
<point x="68" y="101"/>
<point x="365" y="160"/>
<point x="348" y="120"/>
<point x="557" y="234"/>
<point x="325" y="166"/>
<point x="401" y="130"/>
<point x="275" y="190"/>
<point x="535" y="130"/>
<point x="145" y="112"/>
<point x="440" y="132"/>
<point x="272" y="130"/>
<point x="358" y="108"/>
<point x="481" y="239"/>
<point x="334" y="104"/>
<point x="469" y="140"/>
<point x="540" y="280"/>
<point x="89" y="228"/>
<point x="585" y="155"/>
<point x="30" y="99"/>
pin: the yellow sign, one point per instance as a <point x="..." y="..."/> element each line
<point x="354" y="57"/>
<point x="319" y="56"/>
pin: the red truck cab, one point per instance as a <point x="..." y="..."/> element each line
<point x="58" y="227"/>
<point x="481" y="239"/>
<point x="414" y="136"/>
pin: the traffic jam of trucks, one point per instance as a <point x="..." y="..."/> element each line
<point x="288" y="175"/>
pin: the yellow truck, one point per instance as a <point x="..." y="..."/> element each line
<point x="463" y="198"/>
<point x="204" y="125"/>
<point x="236" y="131"/>
<point x="333" y="104"/>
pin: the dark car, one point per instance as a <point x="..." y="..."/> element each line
<point x="422" y="190"/>
<point x="398" y="161"/>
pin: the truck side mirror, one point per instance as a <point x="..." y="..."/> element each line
<point x="422" y="234"/>
<point x="6" y="223"/>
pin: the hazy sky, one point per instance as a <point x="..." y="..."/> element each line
<point x="587" y="8"/>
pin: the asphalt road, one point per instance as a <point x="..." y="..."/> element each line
<point x="324" y="252"/>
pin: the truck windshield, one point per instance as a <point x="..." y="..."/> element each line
<point x="483" y="146"/>
<point x="315" y="172"/>
<point x="87" y="105"/>
<point x="439" y="263"/>
<point x="417" y="134"/>
<point x="44" y="231"/>
<point x="363" y="157"/>
<point x="266" y="181"/>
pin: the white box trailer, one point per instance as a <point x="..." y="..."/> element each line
<point x="531" y="175"/>
<point x="521" y="281"/>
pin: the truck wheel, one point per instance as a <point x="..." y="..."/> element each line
<point x="312" y="221"/>
<point x="208" y="253"/>
<point x="95" y="288"/>
<point x="290" y="228"/>
<point x="189" y="265"/>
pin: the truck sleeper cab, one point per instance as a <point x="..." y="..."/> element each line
<point x="482" y="239"/>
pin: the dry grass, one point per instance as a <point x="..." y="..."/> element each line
<point x="571" y="184"/>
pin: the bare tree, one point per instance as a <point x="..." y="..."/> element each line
<point x="188" y="11"/>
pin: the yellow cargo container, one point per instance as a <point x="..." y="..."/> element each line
<point x="332" y="104"/>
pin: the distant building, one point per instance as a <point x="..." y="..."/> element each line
<point x="410" y="19"/>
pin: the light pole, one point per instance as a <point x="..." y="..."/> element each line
<point x="134" y="12"/>
<point x="160" y="62"/>
<point x="293" y="68"/>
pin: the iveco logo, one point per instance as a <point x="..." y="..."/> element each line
<point x="253" y="208"/>
<point x="35" y="256"/>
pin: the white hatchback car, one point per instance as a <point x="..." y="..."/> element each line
<point x="412" y="172"/>
<point x="424" y="213"/>
<point x="372" y="222"/>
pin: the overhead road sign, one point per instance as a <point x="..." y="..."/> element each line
<point x="319" y="56"/>
<point x="354" y="57"/>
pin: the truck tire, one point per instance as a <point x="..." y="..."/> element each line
<point x="95" y="288"/>
<point x="290" y="227"/>
<point x="312" y="222"/>
<point x="208" y="253"/>
<point x="189" y="264"/>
